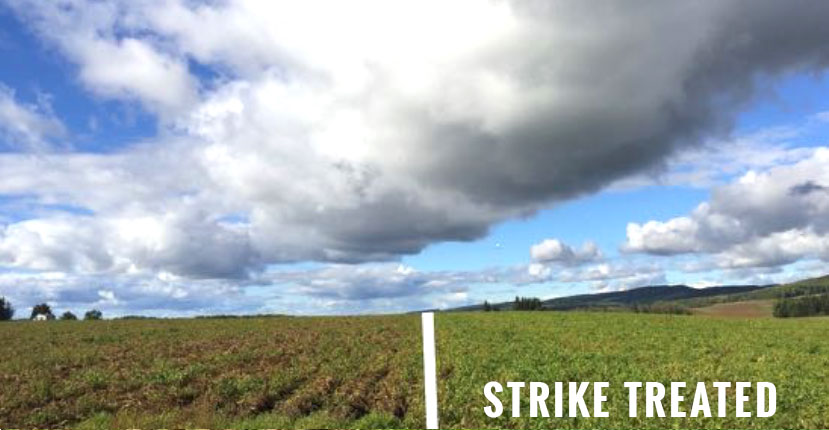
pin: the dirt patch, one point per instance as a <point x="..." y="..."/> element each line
<point x="747" y="309"/>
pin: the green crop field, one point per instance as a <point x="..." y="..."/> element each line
<point x="365" y="372"/>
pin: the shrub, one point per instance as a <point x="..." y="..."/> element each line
<point x="93" y="315"/>
<point x="6" y="309"/>
<point x="68" y="316"/>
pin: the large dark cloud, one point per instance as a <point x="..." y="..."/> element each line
<point x="623" y="85"/>
<point x="382" y="131"/>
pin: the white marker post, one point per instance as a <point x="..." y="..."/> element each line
<point x="430" y="382"/>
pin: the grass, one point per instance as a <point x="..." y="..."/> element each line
<point x="365" y="372"/>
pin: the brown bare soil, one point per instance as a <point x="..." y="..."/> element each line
<point x="747" y="309"/>
<point x="212" y="372"/>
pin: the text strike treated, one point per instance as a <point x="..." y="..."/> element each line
<point x="654" y="394"/>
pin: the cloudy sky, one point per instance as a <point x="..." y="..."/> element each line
<point x="177" y="157"/>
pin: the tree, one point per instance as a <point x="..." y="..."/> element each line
<point x="93" y="315"/>
<point x="6" y="309"/>
<point x="804" y="306"/>
<point x="68" y="316"/>
<point x="527" y="304"/>
<point x="487" y="306"/>
<point x="42" y="309"/>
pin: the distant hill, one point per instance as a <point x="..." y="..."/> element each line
<point x="645" y="296"/>
<point x="677" y="295"/>
<point x="637" y="296"/>
<point x="795" y="289"/>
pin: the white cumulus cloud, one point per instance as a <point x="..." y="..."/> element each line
<point x="766" y="218"/>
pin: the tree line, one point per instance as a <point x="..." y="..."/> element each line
<point x="804" y="290"/>
<point x="520" y="304"/>
<point x="660" y="308"/>
<point x="803" y="306"/>
<point x="527" y="304"/>
<point x="44" y="310"/>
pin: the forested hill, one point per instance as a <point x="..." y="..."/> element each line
<point x="681" y="296"/>
<point x="637" y="296"/>
<point x="645" y="296"/>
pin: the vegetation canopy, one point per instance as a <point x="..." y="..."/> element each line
<point x="6" y="309"/>
<point x="93" y="315"/>
<point x="805" y="306"/>
<point x="42" y="310"/>
<point x="366" y="372"/>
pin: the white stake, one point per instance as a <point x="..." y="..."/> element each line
<point x="429" y="369"/>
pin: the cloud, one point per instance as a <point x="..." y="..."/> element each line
<point x="125" y="295"/>
<point x="133" y="69"/>
<point x="637" y="280"/>
<point x="806" y="188"/>
<point x="675" y="236"/>
<point x="379" y="281"/>
<point x="822" y="116"/>
<point x="27" y="127"/>
<point x="556" y="263"/>
<point x="130" y="244"/>
<point x="555" y="251"/>
<point x="717" y="161"/>
<point x="352" y="136"/>
<point x="111" y="62"/>
<point x="763" y="219"/>
<point x="333" y="288"/>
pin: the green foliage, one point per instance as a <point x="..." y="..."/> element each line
<point x="99" y="421"/>
<point x="95" y="379"/>
<point x="42" y="309"/>
<point x="526" y="304"/>
<point x="93" y="315"/>
<point x="804" y="289"/>
<point x="6" y="309"/>
<point x="377" y="420"/>
<point x="661" y="308"/>
<point x="475" y="348"/>
<point x="804" y="306"/>
<point x="68" y="316"/>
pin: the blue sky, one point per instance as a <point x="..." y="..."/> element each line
<point x="34" y="71"/>
<point x="151" y="166"/>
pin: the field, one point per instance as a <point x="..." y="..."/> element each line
<point x="747" y="309"/>
<point x="365" y="372"/>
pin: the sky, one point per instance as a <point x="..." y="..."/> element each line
<point x="178" y="158"/>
